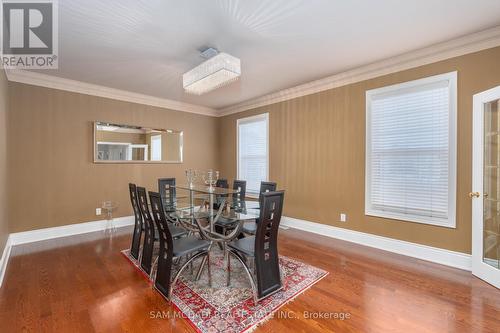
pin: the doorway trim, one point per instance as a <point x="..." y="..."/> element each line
<point x="479" y="268"/>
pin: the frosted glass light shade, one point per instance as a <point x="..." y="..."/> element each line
<point x="214" y="73"/>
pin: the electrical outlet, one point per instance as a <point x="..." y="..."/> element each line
<point x="343" y="217"/>
<point x="98" y="211"/>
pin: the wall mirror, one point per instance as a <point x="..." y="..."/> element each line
<point x="114" y="143"/>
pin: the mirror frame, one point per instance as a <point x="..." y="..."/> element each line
<point x="97" y="161"/>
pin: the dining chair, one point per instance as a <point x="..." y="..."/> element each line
<point x="172" y="248"/>
<point x="149" y="231"/>
<point x="261" y="249"/>
<point x="250" y="227"/>
<point x="135" y="247"/>
<point x="266" y="187"/>
<point x="167" y="190"/>
<point x="151" y="234"/>
<point x="241" y="187"/>
<point x="223" y="183"/>
<point x="223" y="224"/>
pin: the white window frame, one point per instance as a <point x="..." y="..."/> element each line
<point x="264" y="116"/>
<point x="452" y="162"/>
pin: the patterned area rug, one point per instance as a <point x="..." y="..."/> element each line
<point x="231" y="309"/>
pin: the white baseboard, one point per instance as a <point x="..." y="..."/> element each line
<point x="5" y="259"/>
<point x="56" y="232"/>
<point x="67" y="230"/>
<point x="429" y="253"/>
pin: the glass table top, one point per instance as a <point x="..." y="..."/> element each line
<point x="206" y="189"/>
<point x="238" y="210"/>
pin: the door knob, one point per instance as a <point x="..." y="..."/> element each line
<point x="474" y="195"/>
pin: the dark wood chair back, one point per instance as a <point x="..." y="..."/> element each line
<point x="266" y="244"/>
<point x="149" y="231"/>
<point x="221" y="182"/>
<point x="164" y="269"/>
<point x="167" y="190"/>
<point x="240" y="185"/>
<point x="138" y="225"/>
<point x="264" y="188"/>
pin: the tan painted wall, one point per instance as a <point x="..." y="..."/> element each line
<point x="53" y="180"/>
<point x="4" y="91"/>
<point x="317" y="152"/>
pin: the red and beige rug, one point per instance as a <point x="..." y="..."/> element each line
<point x="231" y="309"/>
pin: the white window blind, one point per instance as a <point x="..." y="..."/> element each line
<point x="253" y="151"/>
<point x="411" y="151"/>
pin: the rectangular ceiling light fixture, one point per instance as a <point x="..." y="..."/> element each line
<point x="214" y="73"/>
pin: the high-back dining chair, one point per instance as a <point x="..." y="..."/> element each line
<point x="241" y="187"/>
<point x="265" y="187"/>
<point x="149" y="231"/>
<point x="223" y="224"/>
<point x="262" y="248"/>
<point x="171" y="247"/>
<point x="167" y="190"/>
<point x="221" y="182"/>
<point x="138" y="225"/>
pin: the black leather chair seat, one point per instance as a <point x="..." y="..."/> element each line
<point x="186" y="245"/>
<point x="250" y="227"/>
<point x="225" y="222"/>
<point x="176" y="231"/>
<point x="245" y="245"/>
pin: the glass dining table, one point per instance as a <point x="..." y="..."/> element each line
<point x="213" y="204"/>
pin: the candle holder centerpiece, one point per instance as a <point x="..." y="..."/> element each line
<point x="210" y="178"/>
<point x="191" y="176"/>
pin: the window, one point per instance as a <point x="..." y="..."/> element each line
<point x="253" y="148"/>
<point x="411" y="151"/>
<point x="156" y="148"/>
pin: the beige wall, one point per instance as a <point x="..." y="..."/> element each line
<point x="317" y="152"/>
<point x="4" y="230"/>
<point x="53" y="180"/>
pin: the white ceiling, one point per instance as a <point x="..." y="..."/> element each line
<point x="145" y="46"/>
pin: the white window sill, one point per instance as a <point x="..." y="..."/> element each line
<point x="450" y="223"/>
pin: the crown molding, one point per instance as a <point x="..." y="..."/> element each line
<point x="456" y="47"/>
<point x="54" y="82"/>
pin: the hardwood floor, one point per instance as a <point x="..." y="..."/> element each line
<point x="83" y="284"/>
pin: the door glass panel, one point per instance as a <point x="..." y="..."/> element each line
<point x="491" y="186"/>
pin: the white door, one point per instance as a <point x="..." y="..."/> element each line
<point x="486" y="187"/>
